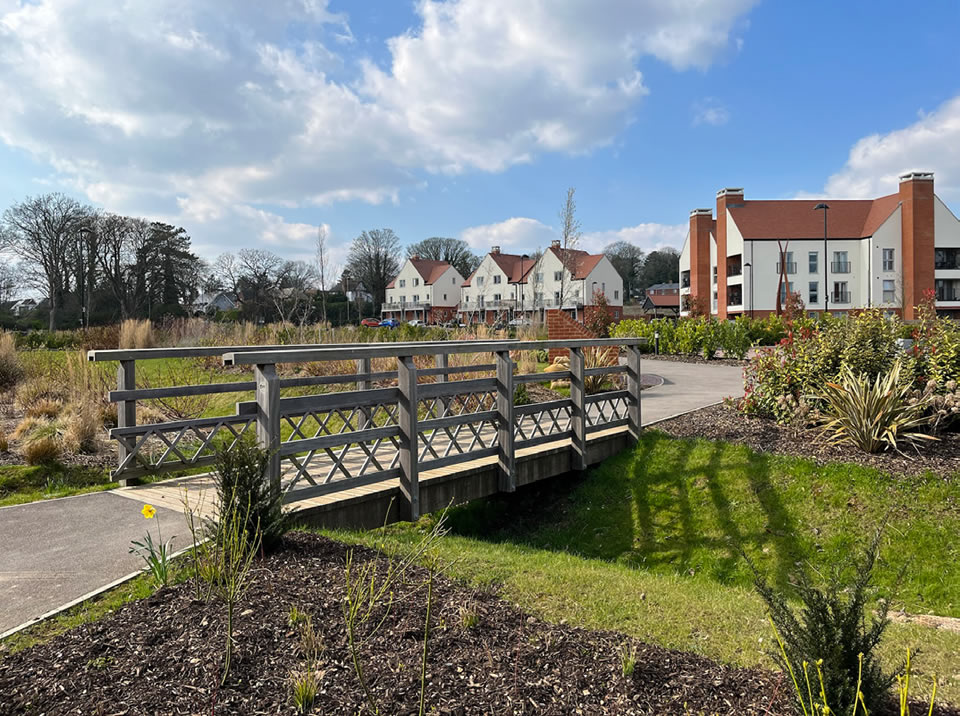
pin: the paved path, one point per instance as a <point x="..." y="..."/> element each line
<point x="56" y="551"/>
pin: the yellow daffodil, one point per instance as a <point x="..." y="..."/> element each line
<point x="148" y="511"/>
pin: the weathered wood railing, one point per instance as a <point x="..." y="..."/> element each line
<point x="397" y="429"/>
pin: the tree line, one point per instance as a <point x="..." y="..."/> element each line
<point x="95" y="267"/>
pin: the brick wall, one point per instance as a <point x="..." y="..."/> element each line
<point x="560" y="327"/>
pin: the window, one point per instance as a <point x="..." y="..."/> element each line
<point x="887" y="260"/>
<point x="945" y="259"/>
<point x="403" y="282"/>
<point x="416" y="298"/>
<point x="889" y="287"/>
<point x="840" y="293"/>
<point x="603" y="288"/>
<point x="444" y="297"/>
<point x="479" y="280"/>
<point x="814" y="260"/>
<point x="714" y="274"/>
<point x="496" y="297"/>
<point x="416" y="282"/>
<point x="496" y="279"/>
<point x="558" y="275"/>
<point x="556" y="297"/>
<point x="538" y="298"/>
<point x="453" y="280"/>
<point x="539" y="277"/>
<point x="403" y="299"/>
<point x="813" y="291"/>
<point x="841" y="263"/>
<point x="783" y="293"/>
<point x="791" y="266"/>
<point x="616" y="295"/>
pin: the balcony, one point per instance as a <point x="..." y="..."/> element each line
<point x="840" y="267"/>
<point x="490" y="305"/>
<point x="406" y="306"/>
<point x="946" y="259"/>
<point x="734" y="270"/>
<point x="685" y="281"/>
<point x="948" y="294"/>
<point x="791" y="267"/>
<point x="840" y="297"/>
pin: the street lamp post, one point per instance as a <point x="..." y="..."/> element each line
<point x="520" y="284"/>
<point x="826" y="266"/>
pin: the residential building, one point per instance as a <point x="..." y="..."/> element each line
<point x="425" y="290"/>
<point x="506" y="285"/>
<point x="887" y="252"/>
<point x="664" y="289"/>
<point x="214" y="302"/>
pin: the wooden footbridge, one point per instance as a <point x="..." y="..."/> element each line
<point x="360" y="433"/>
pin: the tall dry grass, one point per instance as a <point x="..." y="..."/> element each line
<point x="11" y="368"/>
<point x="137" y="334"/>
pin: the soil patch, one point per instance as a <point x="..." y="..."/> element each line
<point x="695" y="359"/>
<point x="723" y="422"/>
<point x="163" y="655"/>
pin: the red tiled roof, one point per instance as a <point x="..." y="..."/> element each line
<point x="663" y="300"/>
<point x="511" y="265"/>
<point x="797" y="219"/>
<point x="430" y="271"/>
<point x="582" y="262"/>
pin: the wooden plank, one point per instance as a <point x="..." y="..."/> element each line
<point x="458" y="458"/>
<point x="173" y="391"/>
<point x="178" y="425"/>
<point x="408" y="403"/>
<point x="542" y="439"/>
<point x="532" y="408"/>
<point x="608" y="395"/>
<point x="268" y="419"/>
<point x="542" y="377"/>
<point x="505" y="452"/>
<point x="445" y="370"/>
<point x="355" y="484"/>
<point x="364" y="368"/>
<point x="310" y="380"/>
<point x="578" y="461"/>
<point x="606" y="426"/>
<point x="386" y="350"/>
<point x="605" y="370"/>
<point x="343" y="399"/>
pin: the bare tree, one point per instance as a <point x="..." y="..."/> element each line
<point x="455" y="252"/>
<point x="43" y="232"/>
<point x="292" y="295"/>
<point x="9" y="279"/>
<point x="374" y="261"/>
<point x="322" y="259"/>
<point x="570" y="235"/>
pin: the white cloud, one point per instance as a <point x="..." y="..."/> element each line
<point x="710" y="111"/>
<point x="648" y="237"/>
<point x="525" y="235"/>
<point x="516" y="235"/>
<point x="930" y="144"/>
<point x="204" y="106"/>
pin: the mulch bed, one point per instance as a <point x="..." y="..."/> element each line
<point x="723" y="422"/>
<point x="695" y="359"/>
<point x="163" y="655"/>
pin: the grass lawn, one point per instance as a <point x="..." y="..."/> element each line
<point x="646" y="544"/>
<point x="22" y="483"/>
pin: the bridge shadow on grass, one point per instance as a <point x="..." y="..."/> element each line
<point x="670" y="506"/>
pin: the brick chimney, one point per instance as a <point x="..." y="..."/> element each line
<point x="701" y="221"/>
<point x="494" y="249"/>
<point x="555" y="244"/>
<point x="415" y="257"/>
<point x="916" y="237"/>
<point x="725" y="198"/>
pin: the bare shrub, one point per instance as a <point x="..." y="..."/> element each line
<point x="136" y="334"/>
<point x="11" y="369"/>
<point x="4" y="443"/>
<point x="88" y="381"/>
<point x="44" y="408"/>
<point x="41" y="451"/>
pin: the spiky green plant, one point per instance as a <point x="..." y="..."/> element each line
<point x="873" y="415"/>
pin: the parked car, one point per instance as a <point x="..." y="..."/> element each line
<point x="370" y="322"/>
<point x="389" y="323"/>
<point x="416" y="322"/>
<point x="520" y="322"/>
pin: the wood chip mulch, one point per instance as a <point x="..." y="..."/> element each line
<point x="723" y="422"/>
<point x="163" y="655"/>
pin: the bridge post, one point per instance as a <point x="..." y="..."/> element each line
<point x="126" y="409"/>
<point x="408" y="405"/>
<point x="505" y="430"/>
<point x="633" y="387"/>
<point x="364" y="365"/>
<point x="578" y="414"/>
<point x="443" y="361"/>
<point x="268" y="419"/>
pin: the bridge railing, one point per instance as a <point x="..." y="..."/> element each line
<point x="423" y="415"/>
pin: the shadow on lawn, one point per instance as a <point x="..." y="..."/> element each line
<point x="665" y="506"/>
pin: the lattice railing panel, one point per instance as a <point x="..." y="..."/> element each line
<point x="605" y="411"/>
<point x="457" y="404"/>
<point x="462" y="439"/>
<point x="344" y="462"/>
<point x="338" y="421"/>
<point x="543" y="423"/>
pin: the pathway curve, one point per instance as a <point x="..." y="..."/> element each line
<point x="56" y="551"/>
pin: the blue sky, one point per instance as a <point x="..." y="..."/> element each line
<point x="250" y="124"/>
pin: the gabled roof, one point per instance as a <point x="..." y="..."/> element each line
<point x="660" y="286"/>
<point x="430" y="271"/>
<point x="797" y="219"/>
<point x="661" y="301"/>
<point x="514" y="266"/>
<point x="581" y="263"/>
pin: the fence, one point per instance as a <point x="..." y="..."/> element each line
<point x="421" y="414"/>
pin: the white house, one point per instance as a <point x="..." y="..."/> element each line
<point x="887" y="252"/>
<point x="505" y="285"/>
<point x="425" y="290"/>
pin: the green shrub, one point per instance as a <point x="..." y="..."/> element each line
<point x="244" y="489"/>
<point x="520" y="395"/>
<point x="829" y="632"/>
<point x="873" y="415"/>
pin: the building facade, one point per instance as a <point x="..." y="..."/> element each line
<point x="506" y="286"/>
<point x="873" y="253"/>
<point x="423" y="290"/>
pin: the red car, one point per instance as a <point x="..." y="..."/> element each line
<point x="370" y="322"/>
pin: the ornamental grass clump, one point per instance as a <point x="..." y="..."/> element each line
<point x="11" y="369"/>
<point x="874" y="415"/>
